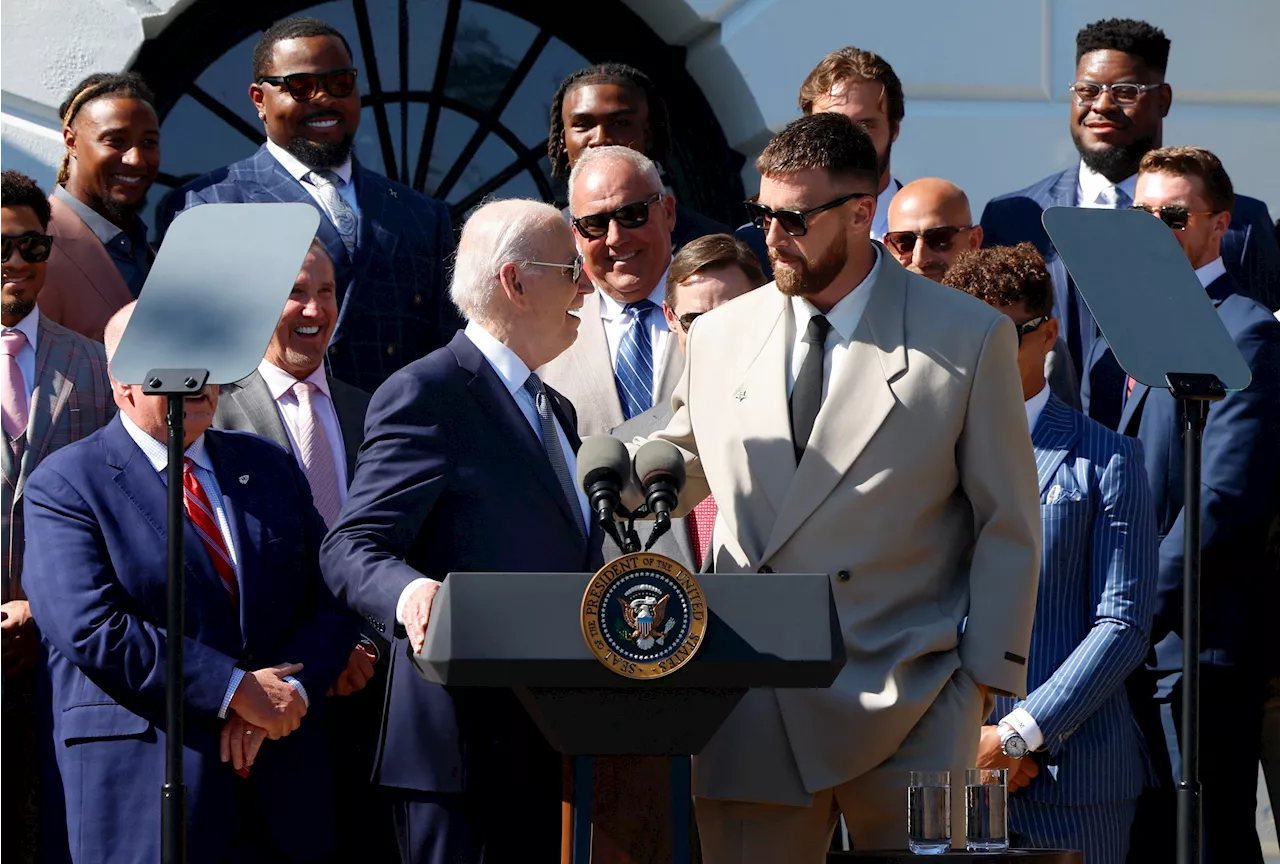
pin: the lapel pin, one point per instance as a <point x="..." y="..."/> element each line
<point x="244" y="478"/>
<point x="394" y="193"/>
<point x="740" y="395"/>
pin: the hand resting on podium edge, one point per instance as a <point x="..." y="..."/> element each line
<point x="415" y="612"/>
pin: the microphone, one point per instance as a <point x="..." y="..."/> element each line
<point x="603" y="469"/>
<point x="660" y="469"/>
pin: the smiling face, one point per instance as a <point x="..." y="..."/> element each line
<point x="22" y="279"/>
<point x="702" y="292"/>
<point x="115" y="148"/>
<point x="1201" y="240"/>
<point x="310" y="314"/>
<point x="548" y="299"/>
<point x="317" y="132"/>
<point x="1111" y="138"/>
<point x="599" y="115"/>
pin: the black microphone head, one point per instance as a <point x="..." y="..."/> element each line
<point x="602" y="457"/>
<point x="660" y="460"/>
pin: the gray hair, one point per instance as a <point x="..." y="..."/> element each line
<point x="644" y="166"/>
<point x="498" y="233"/>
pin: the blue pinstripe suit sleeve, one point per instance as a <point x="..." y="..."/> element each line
<point x="1122" y="576"/>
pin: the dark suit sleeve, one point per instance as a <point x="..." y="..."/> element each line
<point x="86" y="614"/>
<point x="404" y="467"/>
<point x="1259" y="270"/>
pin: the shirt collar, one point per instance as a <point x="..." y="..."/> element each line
<point x="847" y="313"/>
<point x="280" y="382"/>
<point x="505" y="362"/>
<point x="1211" y="271"/>
<point x="611" y="309"/>
<point x="103" y="229"/>
<point x="1092" y="183"/>
<point x="29" y="326"/>
<point x="157" y="452"/>
<point x="297" y="170"/>
<point x="1035" y="405"/>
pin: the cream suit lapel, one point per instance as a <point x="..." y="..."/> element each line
<point x="857" y="402"/>
<point x="592" y="369"/>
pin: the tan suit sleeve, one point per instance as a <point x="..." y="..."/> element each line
<point x="998" y="475"/>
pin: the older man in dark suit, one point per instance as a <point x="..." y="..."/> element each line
<point x="390" y="244"/>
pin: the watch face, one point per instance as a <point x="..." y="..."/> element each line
<point x="1015" y="746"/>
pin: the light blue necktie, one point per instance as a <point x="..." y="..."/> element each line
<point x="551" y="444"/>
<point x="634" y="374"/>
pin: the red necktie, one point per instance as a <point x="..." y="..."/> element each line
<point x="1128" y="387"/>
<point x="200" y="512"/>
<point x="701" y="520"/>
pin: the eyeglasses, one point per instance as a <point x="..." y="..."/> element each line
<point x="633" y="215"/>
<point x="305" y="86"/>
<point x="938" y="239"/>
<point x="34" y="248"/>
<point x="794" y="222"/>
<point x="1122" y="94"/>
<point x="573" y="270"/>
<point x="1175" y="216"/>
<point x="1030" y="327"/>
<point x="686" y="320"/>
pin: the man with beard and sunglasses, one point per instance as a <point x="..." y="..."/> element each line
<point x="1188" y="189"/>
<point x="857" y="419"/>
<point x="390" y="244"/>
<point x="1119" y="100"/>
<point x="101" y="256"/>
<point x="930" y="224"/>
<point x="54" y="389"/>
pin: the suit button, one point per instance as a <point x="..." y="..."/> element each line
<point x="417" y="299"/>
<point x="333" y="349"/>
<point x="843" y="575"/>
<point x="391" y="349"/>
<point x="765" y="568"/>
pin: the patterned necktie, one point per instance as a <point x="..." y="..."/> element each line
<point x="13" y="398"/>
<point x="344" y="218"/>
<point x="701" y="520"/>
<point x="551" y="444"/>
<point x="634" y="375"/>
<point x="200" y="512"/>
<point x="317" y="455"/>
<point x="806" y="396"/>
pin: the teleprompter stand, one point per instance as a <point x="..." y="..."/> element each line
<point x="205" y="315"/>
<point x="1129" y="268"/>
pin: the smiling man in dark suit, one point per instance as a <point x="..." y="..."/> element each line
<point x="389" y="243"/>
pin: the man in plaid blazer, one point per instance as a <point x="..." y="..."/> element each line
<point x="58" y="380"/>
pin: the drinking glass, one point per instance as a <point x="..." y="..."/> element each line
<point x="929" y="812"/>
<point x="985" y="798"/>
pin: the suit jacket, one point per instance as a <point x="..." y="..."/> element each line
<point x="72" y="398"/>
<point x="925" y="428"/>
<point x="1240" y="487"/>
<point x="82" y="288"/>
<point x="393" y="305"/>
<point x="1093" y="612"/>
<point x="95" y="523"/>
<point x="451" y="478"/>
<point x="1248" y="248"/>
<point x="584" y="374"/>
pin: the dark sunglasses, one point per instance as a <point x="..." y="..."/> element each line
<point x="573" y="271"/>
<point x="34" y="248"/>
<point x="686" y="320"/>
<point x="633" y="215"/>
<point x="304" y="86"/>
<point x="794" y="222"/>
<point x="1030" y="327"/>
<point x="1175" y="217"/>
<point x="938" y="239"/>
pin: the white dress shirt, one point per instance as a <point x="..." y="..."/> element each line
<point x="298" y="172"/>
<point x="1211" y="271"/>
<point x="1096" y="192"/>
<point x="280" y="383"/>
<point x="880" y="224"/>
<point x="29" y="326"/>
<point x="844" y="318"/>
<point x="617" y="322"/>
<point x="513" y="372"/>
<point x="1035" y="405"/>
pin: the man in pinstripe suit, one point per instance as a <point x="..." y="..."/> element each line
<point x="1073" y="750"/>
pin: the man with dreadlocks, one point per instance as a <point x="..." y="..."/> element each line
<point x="100" y="253"/>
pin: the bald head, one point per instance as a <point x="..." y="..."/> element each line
<point x="933" y="205"/>
<point x="115" y="329"/>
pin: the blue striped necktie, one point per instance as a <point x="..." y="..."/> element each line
<point x="634" y="373"/>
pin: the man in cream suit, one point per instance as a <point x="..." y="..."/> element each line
<point x="863" y="421"/>
<point x="625" y="360"/>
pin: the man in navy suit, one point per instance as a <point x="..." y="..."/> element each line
<point x="1191" y="192"/>
<point x="1118" y="106"/>
<point x="391" y="245"/>
<point x="468" y="465"/>
<point x="1073" y="752"/>
<point x="265" y="637"/>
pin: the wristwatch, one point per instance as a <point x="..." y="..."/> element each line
<point x="1013" y="744"/>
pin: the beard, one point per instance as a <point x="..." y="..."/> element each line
<point x="808" y="277"/>
<point x="319" y="155"/>
<point x="882" y="161"/>
<point x="13" y="307"/>
<point x="1116" y="163"/>
<point x="119" y="213"/>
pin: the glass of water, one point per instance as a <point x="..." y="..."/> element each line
<point x="986" y="827"/>
<point x="929" y="812"/>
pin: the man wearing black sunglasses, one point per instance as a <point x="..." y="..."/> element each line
<point x="389" y="243"/>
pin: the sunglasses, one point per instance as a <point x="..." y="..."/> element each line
<point x="1030" y="327"/>
<point x="1175" y="217"/>
<point x="34" y="248"/>
<point x="794" y="222"/>
<point x="633" y="215"/>
<point x="938" y="239"/>
<point x="573" y="271"/>
<point x="1087" y="92"/>
<point x="686" y="320"/>
<point x="305" y="86"/>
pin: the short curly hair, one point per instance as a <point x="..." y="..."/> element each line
<point x="1128" y="36"/>
<point x="19" y="190"/>
<point x="620" y="75"/>
<point x="825" y="140"/>
<point x="1003" y="276"/>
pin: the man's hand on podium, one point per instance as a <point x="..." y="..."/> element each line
<point x="417" y="613"/>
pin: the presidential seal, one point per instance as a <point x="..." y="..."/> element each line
<point x="644" y="616"/>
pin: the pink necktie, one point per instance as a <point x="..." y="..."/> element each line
<point x="317" y="455"/>
<point x="12" y="384"/>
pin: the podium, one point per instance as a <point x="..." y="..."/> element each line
<point x="523" y="631"/>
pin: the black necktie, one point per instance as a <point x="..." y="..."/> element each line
<point x="806" y="396"/>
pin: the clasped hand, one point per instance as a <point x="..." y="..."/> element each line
<point x="264" y="699"/>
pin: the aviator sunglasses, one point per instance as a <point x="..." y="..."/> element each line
<point x="633" y="215"/>
<point x="304" y="86"/>
<point x="34" y="248"/>
<point x="794" y="222"/>
<point x="1176" y="217"/>
<point x="938" y="239"/>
